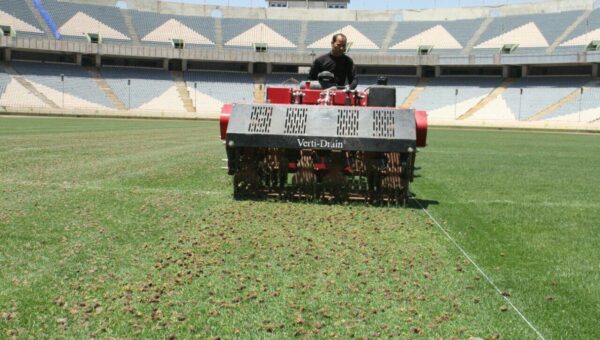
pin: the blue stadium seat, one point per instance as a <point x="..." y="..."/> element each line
<point x="77" y="82"/>
<point x="137" y="86"/>
<point x="20" y="10"/>
<point x="227" y="87"/>
<point x="62" y="12"/>
<point x="146" y="22"/>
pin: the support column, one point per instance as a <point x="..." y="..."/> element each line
<point x="595" y="70"/>
<point x="505" y="71"/>
<point x="98" y="61"/>
<point x="269" y="68"/>
<point x="438" y="71"/>
<point x="78" y="58"/>
<point x="7" y="54"/>
<point x="251" y="67"/>
<point x="166" y="64"/>
<point x="419" y="71"/>
<point x="524" y="71"/>
<point x="184" y="65"/>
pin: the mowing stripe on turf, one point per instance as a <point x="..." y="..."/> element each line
<point x="489" y="280"/>
<point x="133" y="189"/>
<point x="531" y="204"/>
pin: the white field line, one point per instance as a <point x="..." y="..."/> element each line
<point x="488" y="279"/>
<point x="134" y="189"/>
<point x="540" y="204"/>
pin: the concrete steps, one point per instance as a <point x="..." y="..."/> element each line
<point x="26" y="84"/>
<point x="135" y="39"/>
<point x="488" y="99"/>
<point x="259" y="90"/>
<point x="106" y="89"/>
<point x="219" y="43"/>
<point x="302" y="36"/>
<point x="182" y="89"/>
<point x="477" y="34"/>
<point x="40" y="20"/>
<point x="389" y="35"/>
<point x="415" y="93"/>
<point x="568" y="31"/>
<point x="555" y="106"/>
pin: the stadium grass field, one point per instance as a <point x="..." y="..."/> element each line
<point x="124" y="228"/>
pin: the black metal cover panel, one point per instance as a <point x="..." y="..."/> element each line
<point x="322" y="127"/>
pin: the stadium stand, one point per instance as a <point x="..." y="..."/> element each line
<point x="361" y="35"/>
<point x="144" y="89"/>
<point x="4" y="81"/>
<point x="75" y="20"/>
<point x="155" y="28"/>
<point x="451" y="97"/>
<point x="278" y="34"/>
<point x="587" y="31"/>
<point x="549" y="42"/>
<point x="17" y="14"/>
<point x="526" y="97"/>
<point x="533" y="32"/>
<point x="448" y="37"/>
<point x="80" y="91"/>
<point x="210" y="90"/>
<point x="16" y="95"/>
<point x="585" y="107"/>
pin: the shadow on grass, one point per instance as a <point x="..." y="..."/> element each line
<point x="419" y="203"/>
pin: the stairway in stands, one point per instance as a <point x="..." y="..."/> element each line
<point x="415" y="93"/>
<point x="106" y="89"/>
<point x="40" y="20"/>
<point x="563" y="101"/>
<point x="488" y="99"/>
<point x="302" y="36"/>
<point x="475" y="38"/>
<point x="259" y="88"/>
<point x="135" y="39"/>
<point x="583" y="17"/>
<point x="182" y="89"/>
<point x="25" y="83"/>
<point x="219" y="43"/>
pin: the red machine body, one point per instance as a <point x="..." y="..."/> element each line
<point x="285" y="95"/>
<point x="266" y="156"/>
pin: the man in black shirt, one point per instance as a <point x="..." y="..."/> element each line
<point x="337" y="63"/>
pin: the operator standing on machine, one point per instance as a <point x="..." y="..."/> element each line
<point x="337" y="63"/>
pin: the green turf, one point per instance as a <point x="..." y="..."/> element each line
<point x="526" y="205"/>
<point x="121" y="228"/>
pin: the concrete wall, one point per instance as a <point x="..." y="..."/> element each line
<point x="295" y="58"/>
